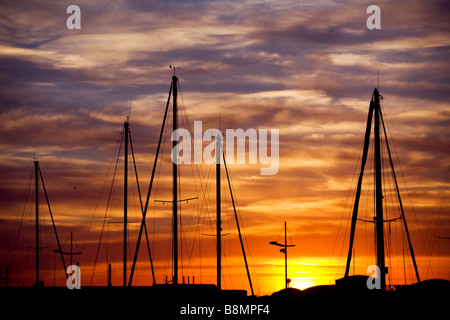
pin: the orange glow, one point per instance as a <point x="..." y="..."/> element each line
<point x="305" y="70"/>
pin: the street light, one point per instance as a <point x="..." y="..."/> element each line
<point x="284" y="250"/>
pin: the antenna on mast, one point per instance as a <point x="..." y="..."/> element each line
<point x="129" y="112"/>
<point x="284" y="250"/>
<point x="378" y="76"/>
<point x="174" y="69"/>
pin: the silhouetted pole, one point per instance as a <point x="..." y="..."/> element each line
<point x="36" y="188"/>
<point x="375" y="109"/>
<point x="125" y="205"/>
<point x="71" y="248"/>
<point x="71" y="253"/>
<point x="175" y="182"/>
<point x="285" y="256"/>
<point x="109" y="275"/>
<point x="284" y="250"/>
<point x="218" y="219"/>
<point x="6" y="277"/>
<point x="379" y="194"/>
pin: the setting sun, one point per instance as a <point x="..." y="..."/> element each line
<point x="224" y="146"/>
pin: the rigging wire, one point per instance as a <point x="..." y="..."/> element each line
<point x="405" y="184"/>
<point x="330" y="263"/>
<point x="436" y="218"/>
<point x="402" y="216"/>
<point x="238" y="225"/>
<point x="113" y="158"/>
<point x="53" y="222"/>
<point x="349" y="191"/>
<point x="25" y="196"/>
<point x="162" y="155"/>
<point x="142" y="210"/>
<point x="106" y="211"/>
<point x="206" y="202"/>
<point x="404" y="225"/>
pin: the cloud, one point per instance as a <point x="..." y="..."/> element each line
<point x="307" y="69"/>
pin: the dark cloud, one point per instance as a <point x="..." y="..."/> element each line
<point x="307" y="69"/>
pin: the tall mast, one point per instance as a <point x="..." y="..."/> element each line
<point x="284" y="250"/>
<point x="379" y="194"/>
<point x="219" y="218"/>
<point x="175" y="181"/>
<point x="71" y="253"/>
<point x="285" y="256"/>
<point x="125" y="204"/>
<point x="71" y="248"/>
<point x="375" y="111"/>
<point x="36" y="188"/>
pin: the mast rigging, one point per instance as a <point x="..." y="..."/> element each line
<point x="375" y="111"/>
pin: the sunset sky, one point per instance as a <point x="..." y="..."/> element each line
<point x="306" y="68"/>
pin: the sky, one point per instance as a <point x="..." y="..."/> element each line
<point x="305" y="68"/>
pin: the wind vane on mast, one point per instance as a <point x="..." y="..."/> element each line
<point x="174" y="68"/>
<point x="284" y="250"/>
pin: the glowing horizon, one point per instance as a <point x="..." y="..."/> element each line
<point x="306" y="69"/>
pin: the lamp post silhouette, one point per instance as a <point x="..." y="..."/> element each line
<point x="284" y="250"/>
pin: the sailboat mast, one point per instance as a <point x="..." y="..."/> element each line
<point x="71" y="247"/>
<point x="379" y="194"/>
<point x="125" y="204"/>
<point x="175" y="182"/>
<point x="36" y="188"/>
<point x="285" y="256"/>
<point x="219" y="218"/>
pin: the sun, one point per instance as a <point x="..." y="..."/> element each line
<point x="302" y="283"/>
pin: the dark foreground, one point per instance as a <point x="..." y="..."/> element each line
<point x="426" y="299"/>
